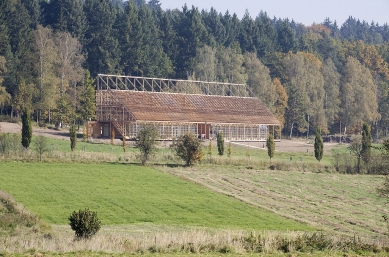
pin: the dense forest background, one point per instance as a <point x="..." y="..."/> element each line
<point x="320" y="76"/>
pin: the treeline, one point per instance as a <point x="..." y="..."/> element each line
<point x="320" y="76"/>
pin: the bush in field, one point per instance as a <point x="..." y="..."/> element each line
<point x="366" y="143"/>
<point x="188" y="147"/>
<point x="146" y="141"/>
<point x="84" y="223"/>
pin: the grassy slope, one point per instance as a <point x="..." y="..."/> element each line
<point x="334" y="202"/>
<point x="123" y="194"/>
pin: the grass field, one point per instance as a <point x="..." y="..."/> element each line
<point x="127" y="194"/>
<point x="335" y="202"/>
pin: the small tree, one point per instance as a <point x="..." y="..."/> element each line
<point x="73" y="137"/>
<point x="146" y="141"/>
<point x="229" y="150"/>
<point x="220" y="143"/>
<point x="319" y="147"/>
<point x="41" y="146"/>
<point x="270" y="146"/>
<point x="84" y="223"/>
<point x="188" y="147"/>
<point x="356" y="148"/>
<point x="26" y="128"/>
<point x="366" y="143"/>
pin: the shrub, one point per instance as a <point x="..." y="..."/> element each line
<point x="84" y="223"/>
<point x="188" y="147"/>
<point x="146" y="141"/>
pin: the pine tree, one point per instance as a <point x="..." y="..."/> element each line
<point x="318" y="145"/>
<point x="87" y="108"/>
<point x="26" y="128"/>
<point x="73" y="137"/>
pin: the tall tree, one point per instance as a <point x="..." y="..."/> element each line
<point x="281" y="102"/>
<point x="205" y="64"/>
<point x="230" y="65"/>
<point x="319" y="146"/>
<point x="331" y="90"/>
<point x="87" y="107"/>
<point x="359" y="101"/>
<point x="258" y="79"/>
<point x="249" y="34"/>
<point x="286" y="38"/>
<point x="46" y="51"/>
<point x="26" y="128"/>
<point x="102" y="47"/>
<point x="306" y="84"/>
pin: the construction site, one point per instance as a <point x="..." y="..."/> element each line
<point x="175" y="107"/>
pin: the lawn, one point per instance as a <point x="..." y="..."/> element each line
<point x="130" y="194"/>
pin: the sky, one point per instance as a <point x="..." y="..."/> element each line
<point x="306" y="12"/>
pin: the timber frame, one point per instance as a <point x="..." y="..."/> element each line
<point x="176" y="107"/>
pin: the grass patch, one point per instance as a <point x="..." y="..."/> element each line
<point x="340" y="203"/>
<point x="125" y="194"/>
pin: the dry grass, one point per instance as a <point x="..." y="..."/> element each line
<point x="151" y="239"/>
<point x="344" y="204"/>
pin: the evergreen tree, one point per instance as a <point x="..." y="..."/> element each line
<point x="270" y="146"/>
<point x="220" y="143"/>
<point x="318" y="145"/>
<point x="286" y="37"/>
<point x="26" y="128"/>
<point x="232" y="28"/>
<point x="267" y="39"/>
<point x="73" y="137"/>
<point x="249" y="34"/>
<point x="87" y="108"/>
<point x="366" y="143"/>
<point x="102" y="46"/>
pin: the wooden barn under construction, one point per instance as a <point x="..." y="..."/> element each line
<point x="175" y="107"/>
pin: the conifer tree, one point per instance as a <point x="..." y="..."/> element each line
<point x="270" y="146"/>
<point x="318" y="145"/>
<point x="73" y="137"/>
<point x="26" y="128"/>
<point x="220" y="143"/>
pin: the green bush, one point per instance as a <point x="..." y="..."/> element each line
<point x="84" y="223"/>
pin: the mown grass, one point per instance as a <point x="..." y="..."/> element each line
<point x="125" y="194"/>
<point x="340" y="203"/>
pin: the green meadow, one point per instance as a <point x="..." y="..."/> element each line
<point x="130" y="194"/>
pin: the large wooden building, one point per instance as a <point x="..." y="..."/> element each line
<point x="176" y="107"/>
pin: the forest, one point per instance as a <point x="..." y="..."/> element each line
<point x="328" y="76"/>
